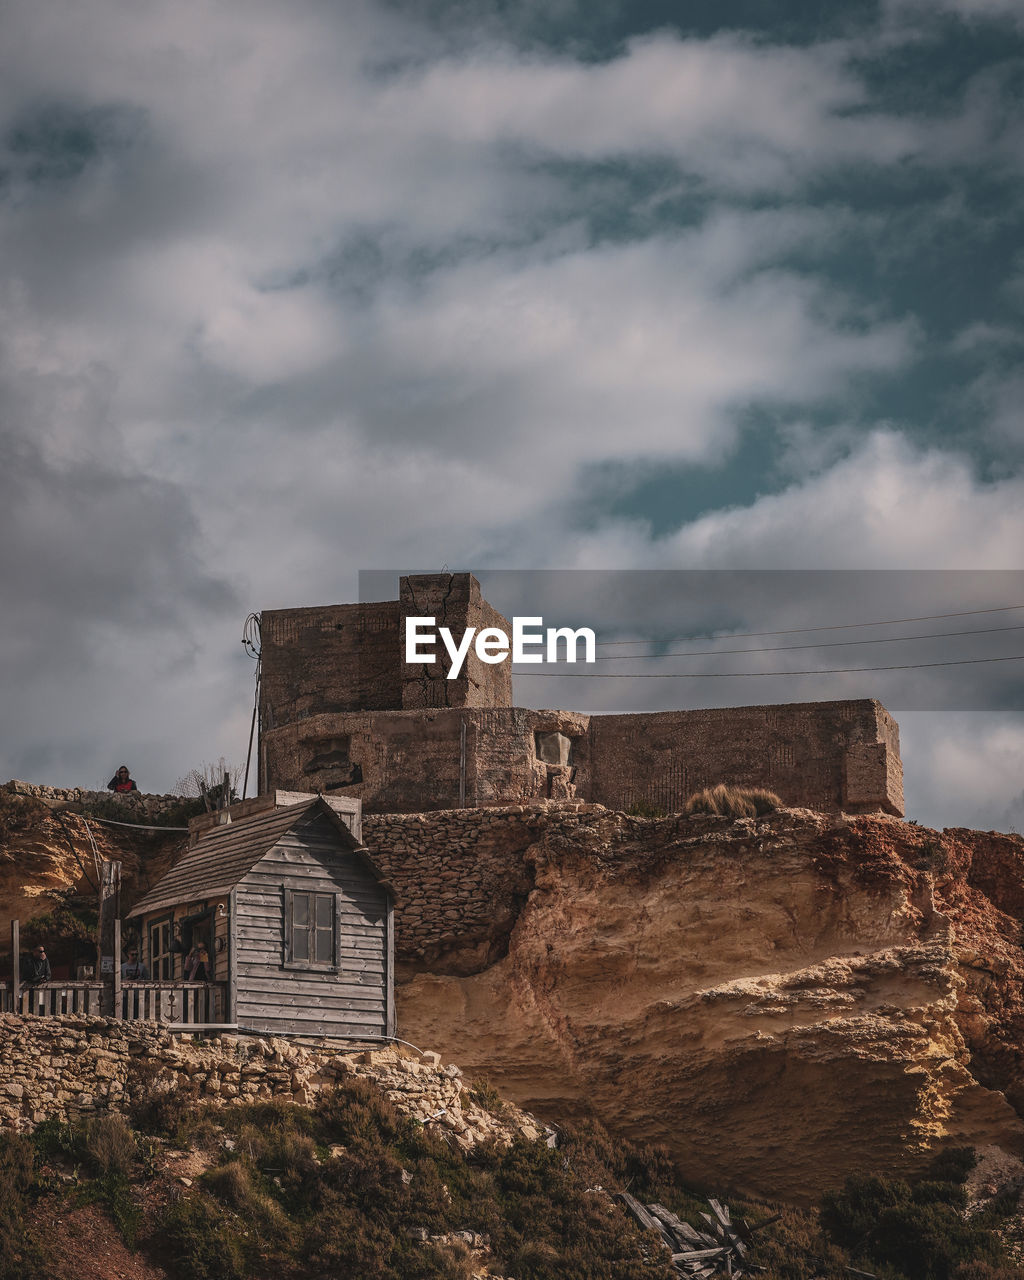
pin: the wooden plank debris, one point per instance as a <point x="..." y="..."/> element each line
<point x="698" y="1254"/>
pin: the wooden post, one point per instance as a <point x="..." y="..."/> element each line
<point x="232" y="957"/>
<point x="117" y="969"/>
<point x="109" y="938"/>
<point x="15" y="966"/>
<point x="391" y="1023"/>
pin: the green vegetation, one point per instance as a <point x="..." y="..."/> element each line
<point x="919" y="1231"/>
<point x="644" y="809"/>
<point x="733" y="802"/>
<point x="352" y="1188"/>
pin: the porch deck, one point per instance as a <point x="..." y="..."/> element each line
<point x="175" y="1004"/>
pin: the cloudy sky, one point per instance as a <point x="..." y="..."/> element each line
<point x="294" y="291"/>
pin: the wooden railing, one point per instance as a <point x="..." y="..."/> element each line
<point x="50" y="999"/>
<point x="176" y="1003"/>
<point x="172" y="1003"/>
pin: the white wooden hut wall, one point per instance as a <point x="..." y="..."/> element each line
<point x="276" y="993"/>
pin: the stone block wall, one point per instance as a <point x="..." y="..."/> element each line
<point x="830" y="756"/>
<point x="351" y="657"/>
<point x="460" y="877"/>
<point x="341" y="710"/>
<point x="76" y="1067"/>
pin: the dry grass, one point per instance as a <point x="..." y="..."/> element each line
<point x="733" y="802"/>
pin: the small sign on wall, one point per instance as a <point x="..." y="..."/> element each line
<point x="106" y="964"/>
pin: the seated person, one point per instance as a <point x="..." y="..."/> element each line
<point x="35" y="968"/>
<point x="122" y="781"/>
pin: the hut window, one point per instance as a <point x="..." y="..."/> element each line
<point x="310" y="929"/>
<point x="161" y="935"/>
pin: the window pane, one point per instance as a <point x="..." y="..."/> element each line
<point x="300" y="944"/>
<point x="324" y="911"/>
<point x="324" y="946"/>
<point x="300" y="909"/>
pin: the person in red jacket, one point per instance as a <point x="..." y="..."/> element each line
<point x="122" y="781"/>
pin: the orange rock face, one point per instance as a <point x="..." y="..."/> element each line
<point x="781" y="1002"/>
<point x="41" y="851"/>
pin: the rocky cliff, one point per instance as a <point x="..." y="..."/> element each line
<point x="781" y="1001"/>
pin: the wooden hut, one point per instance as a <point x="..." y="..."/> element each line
<point x="297" y="921"/>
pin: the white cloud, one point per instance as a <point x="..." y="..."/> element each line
<point x="888" y="505"/>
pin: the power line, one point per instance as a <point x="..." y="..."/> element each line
<point x="777" y="648"/>
<point x="138" y="826"/>
<point x="735" y="675"/>
<point x="837" y="626"/>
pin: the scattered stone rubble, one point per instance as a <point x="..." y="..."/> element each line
<point x="76" y="1066"/>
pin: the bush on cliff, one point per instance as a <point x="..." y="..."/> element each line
<point x="733" y="802"/>
<point x="917" y="1230"/>
<point x="21" y="1253"/>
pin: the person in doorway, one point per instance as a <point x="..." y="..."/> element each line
<point x="122" y="780"/>
<point x="197" y="964"/>
<point x="133" y="969"/>
<point x="35" y="967"/>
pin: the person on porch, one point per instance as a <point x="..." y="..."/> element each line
<point x="35" y="968"/>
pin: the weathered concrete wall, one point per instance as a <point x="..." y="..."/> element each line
<point x="456" y="602"/>
<point x="341" y="657"/>
<point x="350" y="657"/>
<point x="75" y="1067"/>
<point x="829" y="756"/>
<point x="412" y="761"/>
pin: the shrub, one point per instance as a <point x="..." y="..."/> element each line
<point x="21" y="1254"/>
<point x="59" y="1139"/>
<point x="485" y="1095"/>
<point x="644" y="809"/>
<point x="733" y="802"/>
<point x="917" y="1230"/>
<point x="158" y="1106"/>
<point x="199" y="1243"/>
<point x="110" y="1145"/>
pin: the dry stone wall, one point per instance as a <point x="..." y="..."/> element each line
<point x="75" y="1067"/>
<point x="138" y="806"/>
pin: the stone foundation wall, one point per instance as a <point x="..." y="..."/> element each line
<point x="76" y="1067"/>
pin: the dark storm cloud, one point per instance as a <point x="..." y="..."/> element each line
<point x="288" y="291"/>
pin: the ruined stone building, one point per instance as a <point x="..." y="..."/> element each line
<point x="341" y="712"/>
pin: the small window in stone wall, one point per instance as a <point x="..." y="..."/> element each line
<point x="553" y="748"/>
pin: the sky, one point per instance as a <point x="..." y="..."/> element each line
<point x="290" y="292"/>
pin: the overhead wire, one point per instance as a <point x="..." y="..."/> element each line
<point x="732" y="675"/>
<point x="778" y="648"/>
<point x="836" y="626"/>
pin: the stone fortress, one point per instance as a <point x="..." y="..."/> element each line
<point x="341" y="712"/>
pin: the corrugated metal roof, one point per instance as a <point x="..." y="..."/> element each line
<point x="221" y="857"/>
